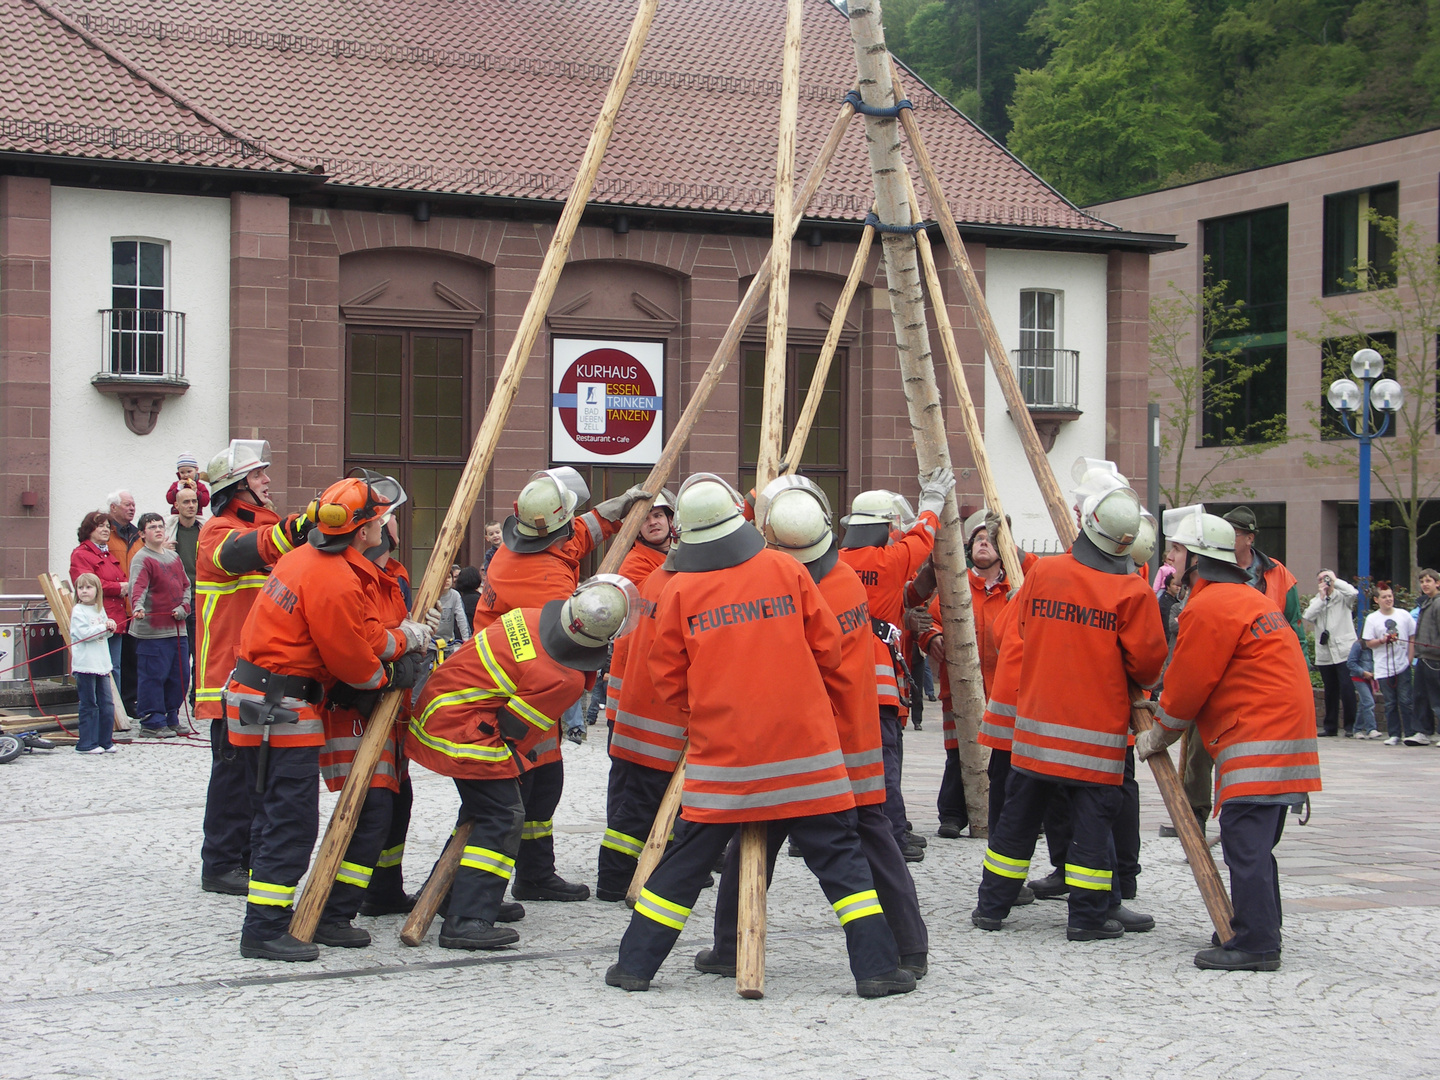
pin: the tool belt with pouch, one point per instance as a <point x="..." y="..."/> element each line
<point x="275" y="688"/>
<point x="344" y="696"/>
<point x="512" y="731"/>
<point x="889" y="633"/>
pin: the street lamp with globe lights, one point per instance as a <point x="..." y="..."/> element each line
<point x="1358" y="407"/>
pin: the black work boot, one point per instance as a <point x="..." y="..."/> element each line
<point x="1111" y="928"/>
<point x="232" y="882"/>
<point x="510" y="912"/>
<point x="1026" y="895"/>
<point x="949" y="829"/>
<point x="916" y="964"/>
<point x="1134" y="922"/>
<point x="552" y="888"/>
<point x="1220" y="959"/>
<point x="1050" y="887"/>
<point x="898" y="981"/>
<point x="339" y="934"/>
<point x="457" y="933"/>
<point x="397" y="904"/>
<point x="707" y="961"/>
<point x="985" y="922"/>
<point x="616" y="976"/>
<point x="285" y="947"/>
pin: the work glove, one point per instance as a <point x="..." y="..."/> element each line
<point x="405" y="671"/>
<point x="1153" y="740"/>
<point x="616" y="508"/>
<point x="918" y="620"/>
<point x="417" y="635"/>
<point x="935" y="485"/>
<point x="296" y="527"/>
<point x="923" y="587"/>
<point x="432" y="619"/>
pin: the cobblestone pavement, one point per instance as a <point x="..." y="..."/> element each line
<point x="115" y="964"/>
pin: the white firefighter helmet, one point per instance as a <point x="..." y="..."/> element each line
<point x="664" y="501"/>
<point x="707" y="509"/>
<point x="235" y="462"/>
<point x="1112" y="520"/>
<point x="601" y="609"/>
<point x="1202" y="533"/>
<point x="548" y="501"/>
<point x="1094" y="476"/>
<point x="872" y="508"/>
<point x="973" y="524"/>
<point x="794" y="513"/>
<point x="1143" y="550"/>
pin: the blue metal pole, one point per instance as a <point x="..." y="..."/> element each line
<point x="1362" y="539"/>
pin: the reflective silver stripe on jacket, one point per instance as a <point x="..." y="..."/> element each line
<point x="644" y="723"/>
<point x="737" y="774"/>
<point x="1268" y="774"/>
<point x="714" y="800"/>
<point x="659" y="753"/>
<point x="1267" y="748"/>
<point x="341" y="769"/>
<point x="1174" y="723"/>
<point x="1065" y="757"/>
<point x="998" y="709"/>
<point x="868" y="757"/>
<point x="995" y="731"/>
<point x="1072" y="734"/>
<point x="867" y="783"/>
<point x="591" y="521"/>
<point x="550" y="742"/>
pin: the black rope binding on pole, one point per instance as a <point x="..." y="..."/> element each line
<point x="874" y="222"/>
<point x="856" y="101"/>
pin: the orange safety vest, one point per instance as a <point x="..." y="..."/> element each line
<point x="884" y="572"/>
<point x="750" y="651"/>
<point x="1088" y="635"/>
<point x="997" y="725"/>
<point x="1242" y="681"/>
<point x="648" y="729"/>
<point x="513" y="580"/>
<point x="345" y="727"/>
<point x="852" y="688"/>
<point x="458" y="728"/>
<point x="223" y="599"/>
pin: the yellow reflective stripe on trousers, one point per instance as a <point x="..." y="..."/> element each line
<point x="495" y="862"/>
<point x="1004" y="865"/>
<point x="1084" y="877"/>
<point x="268" y="895"/>
<point x="355" y="874"/>
<point x="857" y="906"/>
<point x="665" y="912"/>
<point x="391" y="856"/>
<point x="616" y="840"/>
<point x="537" y="830"/>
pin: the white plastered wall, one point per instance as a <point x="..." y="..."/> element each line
<point x="1080" y="281"/>
<point x="92" y="452"/>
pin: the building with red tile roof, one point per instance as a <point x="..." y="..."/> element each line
<point x="386" y="177"/>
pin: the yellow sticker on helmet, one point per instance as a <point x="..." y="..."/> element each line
<point x="518" y="634"/>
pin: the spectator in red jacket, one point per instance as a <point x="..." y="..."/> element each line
<point x="93" y="556"/>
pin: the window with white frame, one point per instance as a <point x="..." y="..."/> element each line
<point x="137" y="323"/>
<point x="1038" y="359"/>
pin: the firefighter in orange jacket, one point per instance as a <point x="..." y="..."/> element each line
<point x="1240" y="678"/>
<point x="237" y="547"/>
<point x="1090" y="627"/>
<point x="884" y="568"/>
<point x="647" y="737"/>
<point x="479" y="720"/>
<point x="312" y="624"/>
<point x="542" y="544"/>
<point x="794" y="515"/>
<point x="747" y="645"/>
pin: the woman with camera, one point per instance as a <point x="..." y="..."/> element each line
<point x="1331" y="617"/>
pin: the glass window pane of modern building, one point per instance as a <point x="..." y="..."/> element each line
<point x="1358" y="255"/>
<point x="1248" y="253"/>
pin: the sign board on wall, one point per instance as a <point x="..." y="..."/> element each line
<point x="607" y="404"/>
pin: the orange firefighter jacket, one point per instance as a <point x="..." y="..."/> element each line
<point x="997" y="725"/>
<point x="648" y="730"/>
<point x="514" y="581"/>
<point x="1241" y="679"/>
<point x="852" y="688"/>
<point x="226" y="584"/>
<point x="1087" y="634"/>
<point x="751" y="652"/>
<point x="314" y="618"/>
<point x="345" y="727"/>
<point x="642" y="561"/>
<point x="884" y="571"/>
<point x="486" y="712"/>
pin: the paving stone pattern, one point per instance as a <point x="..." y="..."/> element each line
<point x="115" y="964"/>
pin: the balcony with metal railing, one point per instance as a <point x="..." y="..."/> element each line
<point x="142" y="362"/>
<point x="1050" y="381"/>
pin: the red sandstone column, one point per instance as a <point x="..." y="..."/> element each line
<point x="1127" y="362"/>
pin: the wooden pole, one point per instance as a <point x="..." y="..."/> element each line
<point x="750" y="947"/>
<point x="999" y="360"/>
<point x="415" y="929"/>
<point x="801" y="434"/>
<point x="457" y="518"/>
<point x="60" y="603"/>
<point x="658" y="838"/>
<point x="922" y="394"/>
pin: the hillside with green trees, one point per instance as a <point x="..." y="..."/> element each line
<point x="1107" y="98"/>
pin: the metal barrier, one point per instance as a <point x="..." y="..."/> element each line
<point x="28" y="629"/>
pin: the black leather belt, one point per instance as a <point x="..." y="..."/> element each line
<point x="293" y="686"/>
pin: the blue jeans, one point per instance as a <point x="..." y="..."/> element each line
<point x="162" y="668"/>
<point x="1364" y="708"/>
<point x="1399" y="717"/>
<point x="97" y="714"/>
<point x="574" y="716"/>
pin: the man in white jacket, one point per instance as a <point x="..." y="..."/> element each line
<point x="1331" y="618"/>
